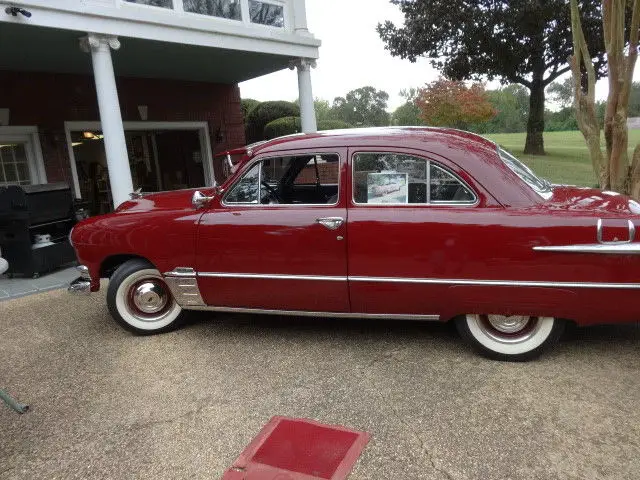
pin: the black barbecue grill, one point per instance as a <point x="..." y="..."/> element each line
<point x="35" y="222"/>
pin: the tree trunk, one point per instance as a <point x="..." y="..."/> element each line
<point x="535" y="126"/>
<point x="615" y="173"/>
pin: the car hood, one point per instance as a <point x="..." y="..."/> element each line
<point x="591" y="199"/>
<point x="174" y="200"/>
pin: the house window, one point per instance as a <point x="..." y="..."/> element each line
<point x="216" y="8"/>
<point x="398" y="179"/>
<point x="266" y="13"/>
<point x="153" y="3"/>
<point x="14" y="164"/>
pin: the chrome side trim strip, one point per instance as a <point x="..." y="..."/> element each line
<point x="301" y="313"/>
<point x="323" y="278"/>
<point x="181" y="272"/>
<point x="625" y="248"/>
<point x="495" y="283"/>
<point x="183" y="284"/>
<point x="427" y="281"/>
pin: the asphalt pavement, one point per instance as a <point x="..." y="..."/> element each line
<point x="107" y="404"/>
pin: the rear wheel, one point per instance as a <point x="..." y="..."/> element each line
<point x="140" y="301"/>
<point x="513" y="338"/>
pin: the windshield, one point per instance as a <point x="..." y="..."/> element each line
<point x="540" y="185"/>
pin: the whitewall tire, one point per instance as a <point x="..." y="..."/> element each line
<point x="140" y="301"/>
<point x="514" y="338"/>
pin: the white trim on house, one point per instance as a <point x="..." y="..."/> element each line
<point x="201" y="127"/>
<point x="28" y="134"/>
<point x="113" y="17"/>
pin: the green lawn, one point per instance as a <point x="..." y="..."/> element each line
<point x="567" y="159"/>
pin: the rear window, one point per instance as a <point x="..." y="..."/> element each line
<point x="540" y="185"/>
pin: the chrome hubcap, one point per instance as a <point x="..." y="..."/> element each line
<point x="150" y="297"/>
<point x="510" y="325"/>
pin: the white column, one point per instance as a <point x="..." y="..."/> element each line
<point x="110" y="117"/>
<point x="300" y="17"/>
<point x="305" y="92"/>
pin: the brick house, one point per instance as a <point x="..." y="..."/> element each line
<point x="114" y="95"/>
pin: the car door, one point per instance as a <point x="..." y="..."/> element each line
<point x="413" y="219"/>
<point x="285" y="251"/>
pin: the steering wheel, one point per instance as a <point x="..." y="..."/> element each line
<point x="273" y="193"/>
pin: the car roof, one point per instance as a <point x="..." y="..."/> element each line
<point x="409" y="136"/>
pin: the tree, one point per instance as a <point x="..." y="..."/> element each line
<point x="323" y="110"/>
<point x="517" y="41"/>
<point x="562" y="92"/>
<point x="333" y="125"/>
<point x="634" y="100"/>
<point x="511" y="104"/>
<point x="364" y="107"/>
<point x="449" y="103"/>
<point x="613" y="170"/>
<point x="407" y="114"/>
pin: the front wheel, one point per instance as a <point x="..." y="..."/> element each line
<point x="512" y="338"/>
<point x="140" y="301"/>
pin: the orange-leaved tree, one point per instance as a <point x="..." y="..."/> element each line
<point x="450" y="103"/>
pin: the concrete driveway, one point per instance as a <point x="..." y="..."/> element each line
<point x="106" y="404"/>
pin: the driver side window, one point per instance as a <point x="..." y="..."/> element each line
<point x="247" y="190"/>
<point x="292" y="180"/>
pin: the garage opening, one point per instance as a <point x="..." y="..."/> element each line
<point x="160" y="159"/>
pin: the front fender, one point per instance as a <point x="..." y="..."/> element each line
<point x="166" y="238"/>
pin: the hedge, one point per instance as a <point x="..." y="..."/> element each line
<point x="281" y="127"/>
<point x="247" y="105"/>
<point x="266" y="112"/>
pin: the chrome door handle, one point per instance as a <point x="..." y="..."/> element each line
<point x="332" y="223"/>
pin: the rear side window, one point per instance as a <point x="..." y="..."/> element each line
<point x="398" y="179"/>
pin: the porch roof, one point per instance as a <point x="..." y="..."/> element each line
<point x="30" y="48"/>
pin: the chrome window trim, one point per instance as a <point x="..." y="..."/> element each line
<point x="426" y="281"/>
<point x="224" y="203"/>
<point x="304" y="313"/>
<point x="476" y="200"/>
<point x="428" y="182"/>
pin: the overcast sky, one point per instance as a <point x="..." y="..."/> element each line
<point x="351" y="56"/>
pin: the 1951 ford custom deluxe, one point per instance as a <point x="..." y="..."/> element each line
<point x="398" y="223"/>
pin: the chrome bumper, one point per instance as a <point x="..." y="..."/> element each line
<point x="82" y="284"/>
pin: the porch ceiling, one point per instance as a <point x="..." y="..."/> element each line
<point x="28" y="48"/>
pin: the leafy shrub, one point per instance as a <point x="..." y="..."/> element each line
<point x="267" y="112"/>
<point x="282" y="126"/>
<point x="247" y="105"/>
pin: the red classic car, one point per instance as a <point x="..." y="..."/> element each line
<point x="478" y="239"/>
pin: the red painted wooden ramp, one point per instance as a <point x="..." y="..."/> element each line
<point x="299" y="449"/>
